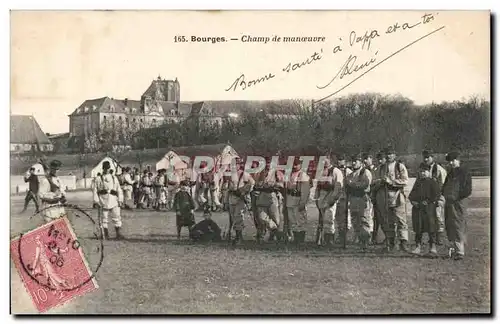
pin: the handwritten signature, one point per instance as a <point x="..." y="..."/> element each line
<point x="349" y="67"/>
<point x="353" y="66"/>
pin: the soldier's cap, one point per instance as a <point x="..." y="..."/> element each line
<point x="126" y="169"/>
<point x="367" y="155"/>
<point x="145" y="171"/>
<point x="297" y="161"/>
<point x="106" y="165"/>
<point x="452" y="156"/>
<point x="341" y="157"/>
<point x="185" y="183"/>
<point x="427" y="153"/>
<point x="357" y="157"/>
<point x="55" y="164"/>
<point x="162" y="170"/>
<point x="424" y="167"/>
<point x="389" y="150"/>
<point x="380" y="155"/>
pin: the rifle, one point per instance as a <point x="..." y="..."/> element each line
<point x="319" y="229"/>
<point x="286" y="237"/>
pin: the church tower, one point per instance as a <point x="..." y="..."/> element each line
<point x="160" y="90"/>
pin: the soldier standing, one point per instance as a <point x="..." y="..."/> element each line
<point x="297" y="191"/>
<point x="358" y="190"/>
<point x="457" y="187"/>
<point x="127" y="187"/>
<point x="109" y="195"/>
<point x="240" y="186"/>
<point x="342" y="202"/>
<point x="136" y="189"/>
<point x="52" y="194"/>
<point x="391" y="200"/>
<point x="173" y="184"/>
<point x="32" y="193"/>
<point x="438" y="173"/>
<point x="145" y="189"/>
<point x="160" y="189"/>
<point x="268" y="184"/>
<point x="326" y="196"/>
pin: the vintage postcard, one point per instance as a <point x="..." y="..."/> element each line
<point x="250" y="162"/>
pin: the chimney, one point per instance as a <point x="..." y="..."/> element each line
<point x="125" y="101"/>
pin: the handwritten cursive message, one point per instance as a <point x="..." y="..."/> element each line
<point x="353" y="66"/>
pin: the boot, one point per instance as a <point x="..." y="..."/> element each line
<point x="328" y="239"/>
<point x="119" y="235"/>
<point x="106" y="234"/>
<point x="439" y="238"/>
<point x="302" y="236"/>
<point x="390" y="245"/>
<point x="417" y="249"/>
<point x="403" y="245"/>
<point x="272" y="235"/>
<point x="341" y="237"/>
<point x="238" y="238"/>
<point x="433" y="249"/>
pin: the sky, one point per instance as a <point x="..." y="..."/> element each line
<point x="61" y="58"/>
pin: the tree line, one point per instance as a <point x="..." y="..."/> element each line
<point x="350" y="124"/>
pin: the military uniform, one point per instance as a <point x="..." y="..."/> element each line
<point x="327" y="195"/>
<point x="438" y="173"/>
<point x="457" y="187"/>
<point x="184" y="207"/>
<point x="240" y="186"/>
<point x="266" y="196"/>
<point x="109" y="196"/>
<point x="52" y="194"/>
<point x="173" y="186"/>
<point x="391" y="201"/>
<point x="360" y="205"/>
<point x="127" y="187"/>
<point x="424" y="196"/>
<point x="297" y="195"/>
<point x="207" y="230"/>
<point x="146" y="191"/>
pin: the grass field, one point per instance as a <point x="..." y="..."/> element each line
<point x="152" y="272"/>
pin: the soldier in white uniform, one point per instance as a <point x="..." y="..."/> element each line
<point x="240" y="186"/>
<point x="109" y="195"/>
<point x="297" y="191"/>
<point x="52" y="194"/>
<point x="173" y="182"/>
<point x="127" y="187"/>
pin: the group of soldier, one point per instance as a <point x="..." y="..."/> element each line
<point x="364" y="198"/>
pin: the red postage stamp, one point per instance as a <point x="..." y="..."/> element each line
<point x="52" y="265"/>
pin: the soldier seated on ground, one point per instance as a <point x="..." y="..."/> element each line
<point x="207" y="230"/>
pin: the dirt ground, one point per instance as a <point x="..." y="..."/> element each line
<point x="151" y="272"/>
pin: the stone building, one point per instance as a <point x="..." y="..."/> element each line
<point x="158" y="104"/>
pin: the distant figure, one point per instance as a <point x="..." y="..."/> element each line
<point x="32" y="193"/>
